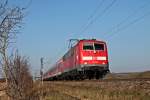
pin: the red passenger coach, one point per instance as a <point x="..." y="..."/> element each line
<point x="87" y="59"/>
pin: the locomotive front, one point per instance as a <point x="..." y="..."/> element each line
<point x="94" y="58"/>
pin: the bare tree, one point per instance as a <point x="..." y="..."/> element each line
<point x="20" y="81"/>
<point x="10" y="22"/>
<point x="16" y="68"/>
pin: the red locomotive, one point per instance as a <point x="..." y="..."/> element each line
<point x="87" y="59"/>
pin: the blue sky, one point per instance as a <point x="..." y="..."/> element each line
<point x="49" y="25"/>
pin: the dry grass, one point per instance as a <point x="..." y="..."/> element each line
<point x="130" y="75"/>
<point x="87" y="90"/>
<point x="92" y="90"/>
<point x="2" y="91"/>
<point x="100" y="90"/>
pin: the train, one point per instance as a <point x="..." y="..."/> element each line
<point x="87" y="59"/>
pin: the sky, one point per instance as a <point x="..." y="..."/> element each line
<point x="123" y="24"/>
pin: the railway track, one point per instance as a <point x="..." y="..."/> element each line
<point x="105" y="80"/>
<point x="130" y="79"/>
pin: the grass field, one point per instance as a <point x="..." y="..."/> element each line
<point x="96" y="90"/>
<point x="130" y="75"/>
<point x="101" y="90"/>
<point x="117" y="90"/>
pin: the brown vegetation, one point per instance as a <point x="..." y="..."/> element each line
<point x="19" y="78"/>
<point x="15" y="68"/>
<point x="131" y="75"/>
<point x="100" y="90"/>
<point x="92" y="90"/>
<point x="20" y="85"/>
<point x="10" y="20"/>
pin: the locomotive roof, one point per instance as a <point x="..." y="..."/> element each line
<point x="92" y="40"/>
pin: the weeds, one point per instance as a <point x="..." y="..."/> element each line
<point x="98" y="91"/>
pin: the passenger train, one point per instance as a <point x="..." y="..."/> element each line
<point x="87" y="59"/>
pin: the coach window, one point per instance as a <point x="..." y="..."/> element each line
<point x="99" y="46"/>
<point x="69" y="54"/>
<point x="87" y="46"/>
<point x="72" y="52"/>
<point x="64" y="57"/>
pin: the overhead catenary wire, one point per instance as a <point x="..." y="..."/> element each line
<point x="96" y="10"/>
<point x="90" y="17"/>
<point x="98" y="16"/>
<point x="127" y="25"/>
<point x="93" y="14"/>
<point x="115" y="27"/>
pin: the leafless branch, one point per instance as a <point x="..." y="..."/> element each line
<point x="19" y="78"/>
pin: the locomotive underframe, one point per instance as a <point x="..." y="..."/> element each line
<point x="82" y="72"/>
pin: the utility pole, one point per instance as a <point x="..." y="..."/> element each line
<point x="41" y="70"/>
<point x="41" y="73"/>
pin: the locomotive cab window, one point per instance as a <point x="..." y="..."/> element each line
<point x="88" y="46"/>
<point x="93" y="46"/>
<point x="99" y="46"/>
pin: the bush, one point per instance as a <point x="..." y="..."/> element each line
<point x="20" y="81"/>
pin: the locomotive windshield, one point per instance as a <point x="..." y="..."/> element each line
<point x="91" y="46"/>
<point x="88" y="46"/>
<point x="99" y="46"/>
